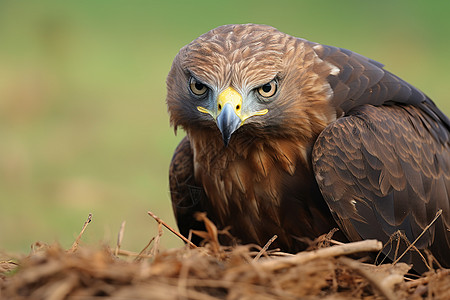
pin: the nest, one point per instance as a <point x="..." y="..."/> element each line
<point x="213" y="271"/>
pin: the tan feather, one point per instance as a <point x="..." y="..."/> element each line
<point x="341" y="142"/>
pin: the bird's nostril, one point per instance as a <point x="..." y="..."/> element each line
<point x="238" y="107"/>
<point x="220" y="106"/>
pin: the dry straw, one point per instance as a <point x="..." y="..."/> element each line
<point x="212" y="271"/>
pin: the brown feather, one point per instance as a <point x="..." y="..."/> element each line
<point x="404" y="190"/>
<point x="382" y="160"/>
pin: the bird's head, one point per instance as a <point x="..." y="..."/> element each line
<point x="247" y="76"/>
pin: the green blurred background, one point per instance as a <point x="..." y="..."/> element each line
<point x="83" y="121"/>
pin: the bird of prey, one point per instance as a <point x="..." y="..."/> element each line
<point x="290" y="137"/>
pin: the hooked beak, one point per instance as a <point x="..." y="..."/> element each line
<point x="228" y="121"/>
<point x="229" y="116"/>
<point x="229" y="105"/>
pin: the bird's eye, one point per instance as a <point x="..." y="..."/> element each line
<point x="197" y="87"/>
<point x="269" y="89"/>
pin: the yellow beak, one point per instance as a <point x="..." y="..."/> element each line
<point x="229" y="115"/>
<point x="229" y="106"/>
<point x="231" y="96"/>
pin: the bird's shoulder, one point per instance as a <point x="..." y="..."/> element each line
<point x="359" y="80"/>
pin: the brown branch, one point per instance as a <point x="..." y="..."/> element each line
<point x="133" y="254"/>
<point x="438" y="214"/>
<point x="266" y="246"/>
<point x="77" y="241"/>
<point x="120" y="237"/>
<point x="141" y="254"/>
<point x="381" y="286"/>
<point x="338" y="250"/>
<point x="155" y="249"/>
<point x="157" y="219"/>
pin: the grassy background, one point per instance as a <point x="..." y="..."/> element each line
<point x="83" y="121"/>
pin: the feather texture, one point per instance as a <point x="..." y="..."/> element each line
<point x="344" y="143"/>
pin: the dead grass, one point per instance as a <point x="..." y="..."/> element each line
<point x="212" y="272"/>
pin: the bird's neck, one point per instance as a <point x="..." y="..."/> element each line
<point x="259" y="156"/>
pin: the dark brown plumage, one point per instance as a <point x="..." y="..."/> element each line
<point x="294" y="138"/>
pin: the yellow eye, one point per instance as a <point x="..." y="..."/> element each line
<point x="269" y="89"/>
<point x="197" y="87"/>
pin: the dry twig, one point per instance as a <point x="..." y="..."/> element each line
<point x="213" y="272"/>
<point x="119" y="238"/>
<point x="384" y="289"/>
<point x="338" y="250"/>
<point x="266" y="246"/>
<point x="157" y="219"/>
<point x="438" y="214"/>
<point x="77" y="241"/>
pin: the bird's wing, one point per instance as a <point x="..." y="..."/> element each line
<point x="361" y="80"/>
<point x="382" y="169"/>
<point x="186" y="194"/>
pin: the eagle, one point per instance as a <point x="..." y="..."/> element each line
<point x="293" y="138"/>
